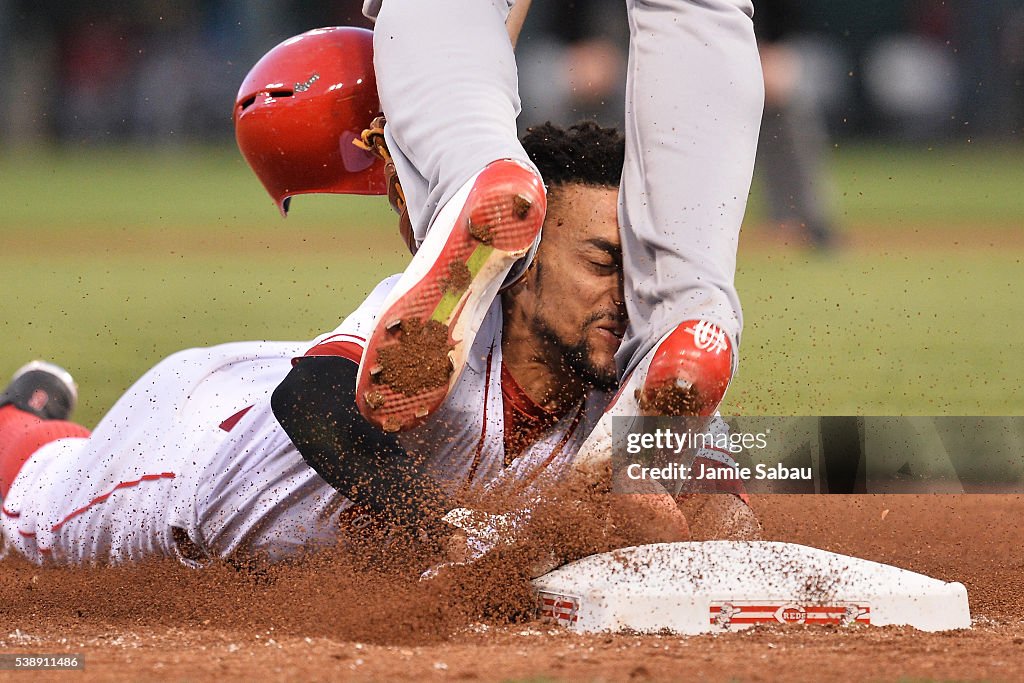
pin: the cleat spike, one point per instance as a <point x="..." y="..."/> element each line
<point x="375" y="399"/>
<point x="521" y="206"/>
<point x="482" y="232"/>
<point x="393" y="325"/>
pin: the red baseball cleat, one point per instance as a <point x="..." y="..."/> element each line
<point x="685" y="374"/>
<point x="419" y="347"/>
<point x="689" y="372"/>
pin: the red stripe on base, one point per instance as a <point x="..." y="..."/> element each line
<point x="811" y="609"/>
<point x="810" y="622"/>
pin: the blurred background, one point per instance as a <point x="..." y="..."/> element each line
<point x="162" y="72"/>
<point x="880" y="263"/>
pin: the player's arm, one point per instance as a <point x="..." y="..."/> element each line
<point x="372" y="140"/>
<point x="719" y="507"/>
<point x="316" y="406"/>
<point x="719" y="516"/>
<point x="515" y="19"/>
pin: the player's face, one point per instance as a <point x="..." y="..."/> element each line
<point x="576" y="282"/>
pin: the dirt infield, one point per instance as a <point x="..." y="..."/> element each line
<point x="325" y="622"/>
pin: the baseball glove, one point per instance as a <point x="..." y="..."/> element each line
<point x="372" y="140"/>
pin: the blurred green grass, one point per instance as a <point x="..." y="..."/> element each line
<point x="927" y="333"/>
<point x="204" y="188"/>
<point x="958" y="186"/>
<point x="193" y="191"/>
<point x="115" y="258"/>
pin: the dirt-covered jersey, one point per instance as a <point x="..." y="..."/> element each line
<point x="194" y="445"/>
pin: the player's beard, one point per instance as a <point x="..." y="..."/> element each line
<point x="578" y="358"/>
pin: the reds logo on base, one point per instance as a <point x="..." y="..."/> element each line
<point x="556" y="608"/>
<point x="734" y="615"/>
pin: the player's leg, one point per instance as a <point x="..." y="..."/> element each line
<point x="693" y="109"/>
<point x="447" y="80"/>
<point x="108" y="498"/>
<point x="791" y="156"/>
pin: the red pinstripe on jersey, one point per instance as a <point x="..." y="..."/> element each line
<point x="102" y="498"/>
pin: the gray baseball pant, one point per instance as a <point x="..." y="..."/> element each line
<point x="448" y="84"/>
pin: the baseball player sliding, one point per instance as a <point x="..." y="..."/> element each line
<point x="447" y="80"/>
<point x="251" y="448"/>
<point x="448" y="85"/>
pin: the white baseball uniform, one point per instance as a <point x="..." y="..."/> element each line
<point x="194" y="445"/>
<point x="447" y="81"/>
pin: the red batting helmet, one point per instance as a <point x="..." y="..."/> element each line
<point x="300" y="108"/>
